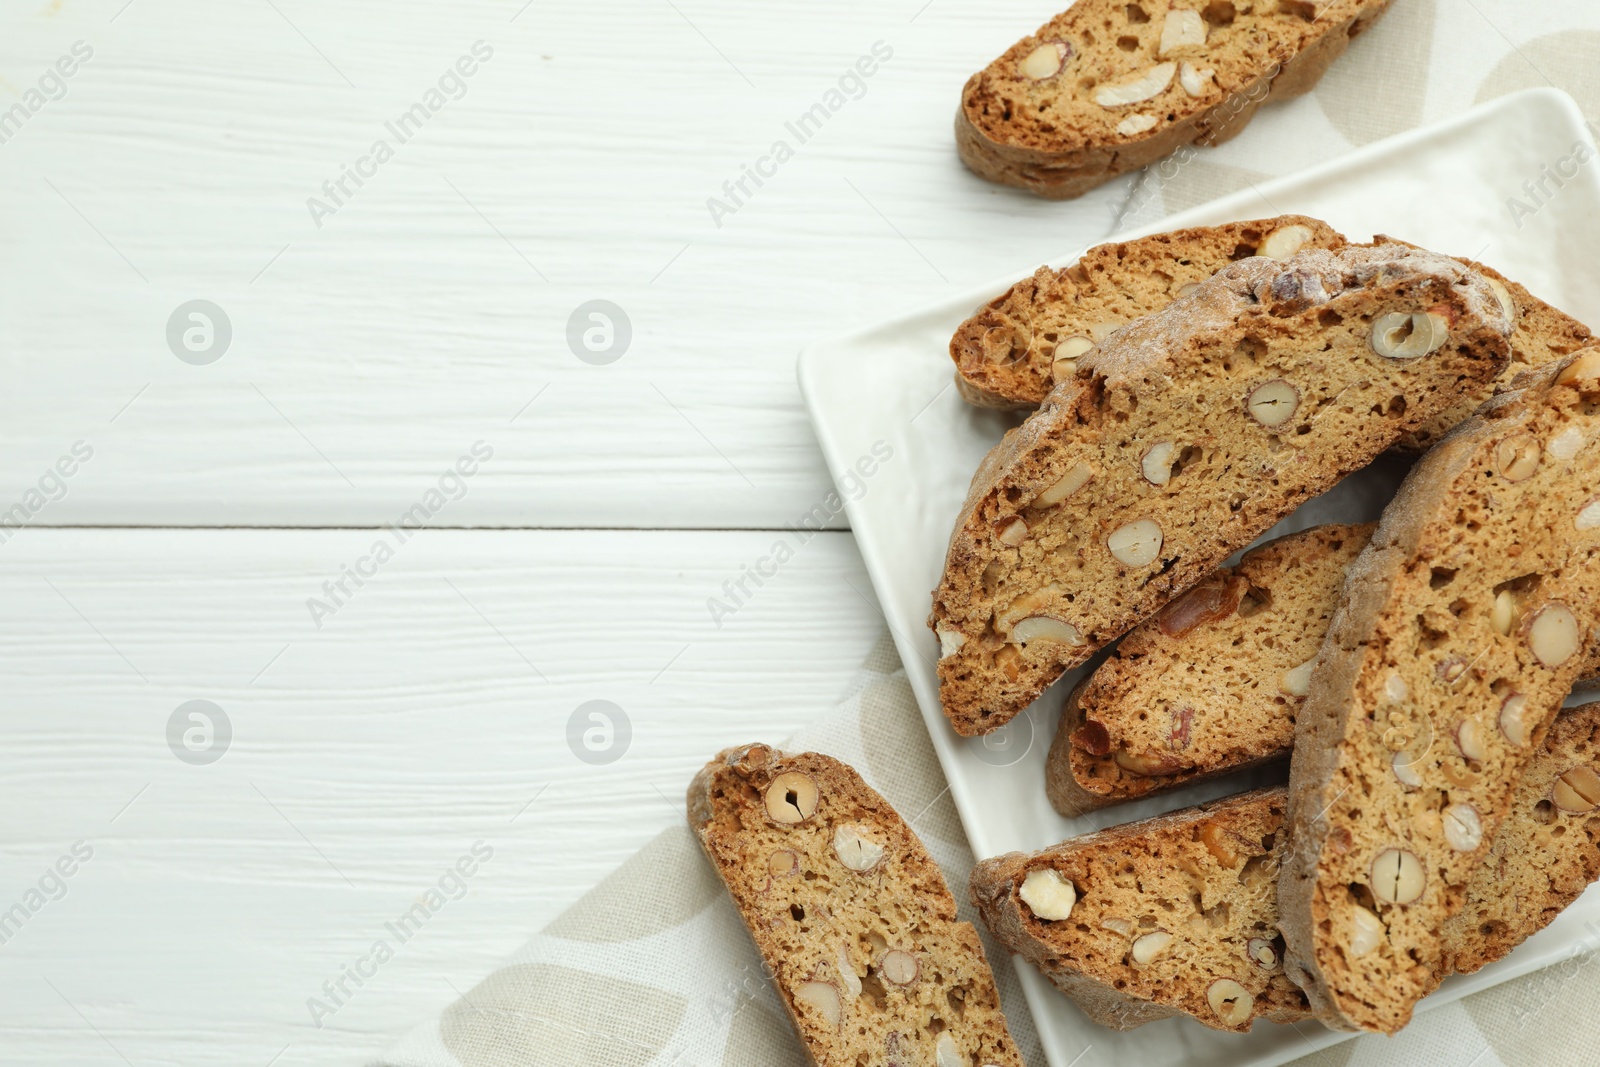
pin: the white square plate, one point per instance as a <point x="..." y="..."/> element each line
<point x="1446" y="187"/>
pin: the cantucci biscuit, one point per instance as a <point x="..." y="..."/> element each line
<point x="1211" y="684"/>
<point x="1022" y="343"/>
<point x="1019" y="345"/>
<point x="1463" y="626"/>
<point x="1181" y="438"/>
<point x="1177" y="915"/>
<point x="852" y="916"/>
<point x="1109" y="86"/>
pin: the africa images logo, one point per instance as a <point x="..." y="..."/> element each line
<point x="803" y="128"/>
<point x="337" y="191"/>
<point x="852" y="482"/>
<point x="51" y="86"/>
<point x="450" y="487"/>
<point x="453" y="884"/>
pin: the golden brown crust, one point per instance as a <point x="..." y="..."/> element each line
<point x="1542" y="335"/>
<point x="1438" y="679"/>
<point x="1542" y="859"/>
<point x="1204" y="876"/>
<point x="1005" y="355"/>
<point x="1199" y="690"/>
<point x="1212" y="682"/>
<point x="1544" y="856"/>
<point x="1183" y="377"/>
<point x="1022" y="124"/>
<point x="853" y="918"/>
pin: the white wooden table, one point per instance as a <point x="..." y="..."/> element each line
<point x="375" y="338"/>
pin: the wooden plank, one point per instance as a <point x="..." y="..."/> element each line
<point x="431" y="308"/>
<point x="428" y="713"/>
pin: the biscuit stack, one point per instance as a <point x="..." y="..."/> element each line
<point x="1410" y="673"/>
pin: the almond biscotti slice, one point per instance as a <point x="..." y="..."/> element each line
<point x="1142" y="921"/>
<point x="852" y="916"/>
<point x="1109" y="86"/>
<point x="1463" y="627"/>
<point x="1541" y="335"/>
<point x="1210" y="685"/>
<point x="1545" y="854"/>
<point x="1182" y="437"/>
<point x="1019" y="345"/>
<point x="1175" y="915"/>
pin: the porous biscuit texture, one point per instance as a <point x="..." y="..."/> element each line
<point x="1109" y="86"/>
<point x="1181" y="438"/>
<point x="1175" y="915"/>
<point x="1163" y="910"/>
<point x="1545" y="854"/>
<point x="1209" y="686"/>
<point x="1541" y="335"/>
<point x="1463" y="626"/>
<point x="852" y="917"/>
<point x="1018" y="346"/>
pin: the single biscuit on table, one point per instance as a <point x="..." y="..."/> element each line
<point x="852" y="917"/>
<point x="1109" y="86"/>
